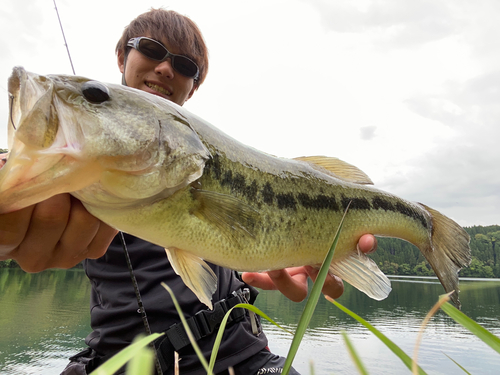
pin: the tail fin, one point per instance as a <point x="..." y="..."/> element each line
<point x="450" y="251"/>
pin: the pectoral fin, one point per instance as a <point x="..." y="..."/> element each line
<point x="195" y="273"/>
<point x="362" y="273"/>
<point x="233" y="217"/>
<point x="339" y="168"/>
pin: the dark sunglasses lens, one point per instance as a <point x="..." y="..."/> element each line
<point x="152" y="49"/>
<point x="156" y="51"/>
<point x="185" y="66"/>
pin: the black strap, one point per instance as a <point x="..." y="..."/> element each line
<point x="202" y="324"/>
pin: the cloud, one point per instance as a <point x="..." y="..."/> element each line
<point x="471" y="109"/>
<point x="31" y="19"/>
<point x="368" y="132"/>
<point x="469" y="158"/>
<point x="471" y="182"/>
<point x="403" y="23"/>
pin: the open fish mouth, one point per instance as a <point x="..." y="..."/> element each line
<point x="36" y="143"/>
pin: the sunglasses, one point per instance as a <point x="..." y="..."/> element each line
<point x="157" y="51"/>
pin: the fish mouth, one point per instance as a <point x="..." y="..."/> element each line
<point x="159" y="89"/>
<point x="27" y="172"/>
<point x="33" y="118"/>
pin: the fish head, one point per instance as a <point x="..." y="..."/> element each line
<point x="108" y="143"/>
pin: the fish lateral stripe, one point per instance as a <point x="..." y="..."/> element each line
<point x="268" y="194"/>
<point x="355" y="203"/>
<point x="237" y="182"/>
<point x="320" y="202"/>
<point x="408" y="211"/>
<point x="379" y="203"/>
<point x="286" y="201"/>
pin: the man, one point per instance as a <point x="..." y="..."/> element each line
<point x="163" y="53"/>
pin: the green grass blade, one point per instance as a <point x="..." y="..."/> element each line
<point x="143" y="362"/>
<point x="463" y="369"/>
<point x="188" y="331"/>
<point x="262" y="314"/>
<point x="482" y="333"/>
<point x="311" y="303"/>
<point x="311" y="368"/>
<point x="354" y="355"/>
<point x="391" y="345"/>
<point x="120" y="359"/>
<point x="218" y="339"/>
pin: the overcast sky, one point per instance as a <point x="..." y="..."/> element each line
<point x="407" y="90"/>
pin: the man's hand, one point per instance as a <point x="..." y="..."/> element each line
<point x="292" y="282"/>
<point x="56" y="233"/>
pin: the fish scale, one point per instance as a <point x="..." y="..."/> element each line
<point x="150" y="168"/>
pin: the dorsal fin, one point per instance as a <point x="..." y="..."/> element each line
<point x="339" y="168"/>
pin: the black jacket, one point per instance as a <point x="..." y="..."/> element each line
<point x="115" y="319"/>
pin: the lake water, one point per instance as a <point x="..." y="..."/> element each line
<point x="45" y="318"/>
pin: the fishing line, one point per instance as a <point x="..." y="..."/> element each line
<point x="141" y="309"/>
<point x="64" y="37"/>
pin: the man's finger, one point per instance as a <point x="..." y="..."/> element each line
<point x="333" y="286"/>
<point x="367" y="244"/>
<point x="294" y="288"/>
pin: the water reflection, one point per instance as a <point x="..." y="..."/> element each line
<point x="399" y="317"/>
<point x="45" y="319"/>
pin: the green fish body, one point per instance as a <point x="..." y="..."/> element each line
<point x="152" y="169"/>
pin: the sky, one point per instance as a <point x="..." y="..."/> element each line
<point x="406" y="90"/>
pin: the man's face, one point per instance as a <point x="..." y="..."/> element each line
<point x="158" y="78"/>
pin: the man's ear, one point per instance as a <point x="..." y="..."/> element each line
<point x="121" y="60"/>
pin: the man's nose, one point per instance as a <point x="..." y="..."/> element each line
<point x="165" y="68"/>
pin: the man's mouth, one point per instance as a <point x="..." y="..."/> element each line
<point x="160" y="89"/>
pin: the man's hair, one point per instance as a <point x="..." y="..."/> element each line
<point x="180" y="31"/>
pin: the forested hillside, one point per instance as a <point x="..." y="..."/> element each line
<point x="397" y="257"/>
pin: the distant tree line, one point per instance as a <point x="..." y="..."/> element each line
<point x="397" y="257"/>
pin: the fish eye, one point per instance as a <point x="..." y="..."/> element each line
<point x="95" y="92"/>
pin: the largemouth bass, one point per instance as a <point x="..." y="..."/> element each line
<point x="148" y="167"/>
